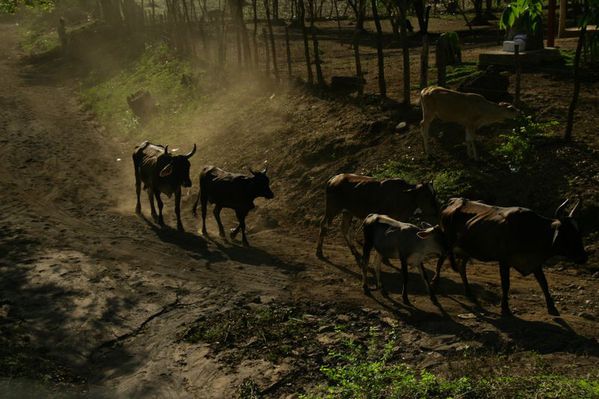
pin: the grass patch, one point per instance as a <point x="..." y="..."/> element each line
<point x="447" y="183"/>
<point x="359" y="371"/>
<point x="275" y="330"/>
<point x="159" y="72"/>
<point x="36" y="41"/>
<point x="517" y="147"/>
<point x="457" y="73"/>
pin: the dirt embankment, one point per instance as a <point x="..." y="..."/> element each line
<point x="99" y="301"/>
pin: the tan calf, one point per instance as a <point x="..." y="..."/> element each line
<point x="467" y="109"/>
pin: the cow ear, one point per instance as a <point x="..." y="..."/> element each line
<point x="167" y="170"/>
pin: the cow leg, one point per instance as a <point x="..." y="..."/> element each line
<point x="325" y="223"/>
<point x="241" y="218"/>
<point x="464" y="277"/>
<point x="470" y="144"/>
<point x="345" y="230"/>
<point x="437" y="276"/>
<point x="216" y="212"/>
<point x="160" y="206"/>
<point x="178" y="209"/>
<point x="424" y="128"/>
<point x="204" y="205"/>
<point x="235" y="231"/>
<point x="425" y="278"/>
<point x="152" y="208"/>
<point x="377" y="272"/>
<point x="364" y="264"/>
<point x="137" y="188"/>
<point x="540" y="276"/>
<point x="404" y="276"/>
<point x="504" y="270"/>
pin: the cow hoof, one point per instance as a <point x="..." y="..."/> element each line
<point x="319" y="254"/>
<point x="138" y="210"/>
<point x="506" y="313"/>
<point x="221" y="234"/>
<point x="246" y="244"/>
<point x="204" y="232"/>
<point x="553" y="311"/>
<point x="366" y="290"/>
<point x="435" y="282"/>
<point x="181" y="229"/>
<point x="407" y="302"/>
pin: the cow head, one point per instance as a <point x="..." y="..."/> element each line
<point x="262" y="183"/>
<point x="177" y="167"/>
<point x="567" y="240"/>
<point x="426" y="205"/>
<point x="509" y="111"/>
<point x="437" y="237"/>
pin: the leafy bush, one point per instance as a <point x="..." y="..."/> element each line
<point x="518" y="145"/>
<point x="359" y="372"/>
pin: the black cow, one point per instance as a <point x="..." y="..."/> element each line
<point x="514" y="237"/>
<point x="163" y="173"/>
<point x="231" y="190"/>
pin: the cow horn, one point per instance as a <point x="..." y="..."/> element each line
<point x="265" y="167"/>
<point x="560" y="208"/>
<point x="571" y="214"/>
<point x="193" y="151"/>
<point x="166" y="150"/>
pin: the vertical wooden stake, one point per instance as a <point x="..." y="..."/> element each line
<point x="518" y="73"/>
<point x="288" y="51"/>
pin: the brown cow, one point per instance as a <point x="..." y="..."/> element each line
<point x="514" y="237"/>
<point x="358" y="196"/>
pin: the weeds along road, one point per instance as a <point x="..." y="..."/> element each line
<point x="91" y="289"/>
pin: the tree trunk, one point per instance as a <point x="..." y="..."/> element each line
<point x="272" y="42"/>
<point x="425" y="48"/>
<point x="572" y="108"/>
<point x="319" y="77"/>
<point x="551" y="23"/>
<point x="356" y="43"/>
<point x="403" y="31"/>
<point x="255" y="36"/>
<point x="379" y="49"/>
<point x="288" y="47"/>
<point x="563" y="11"/>
<point x="302" y="18"/>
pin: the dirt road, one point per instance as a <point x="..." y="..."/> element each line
<point x="93" y="295"/>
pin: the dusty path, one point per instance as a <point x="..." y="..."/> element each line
<point x="106" y="295"/>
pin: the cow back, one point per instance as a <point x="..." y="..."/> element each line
<point x="226" y="189"/>
<point x="362" y="195"/>
<point x="517" y="236"/>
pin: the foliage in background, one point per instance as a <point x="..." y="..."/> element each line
<point x="158" y="71"/>
<point x="517" y="146"/>
<point x="370" y="372"/>
<point x="530" y="10"/>
<point x="11" y="6"/>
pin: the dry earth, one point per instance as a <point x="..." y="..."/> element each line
<point x="96" y="301"/>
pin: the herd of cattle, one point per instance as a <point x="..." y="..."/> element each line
<point x="514" y="237"/>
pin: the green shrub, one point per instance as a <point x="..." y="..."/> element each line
<point x="517" y="146"/>
<point x="361" y="372"/>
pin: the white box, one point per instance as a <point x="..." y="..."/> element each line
<point x="510" y="45"/>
